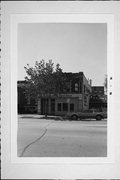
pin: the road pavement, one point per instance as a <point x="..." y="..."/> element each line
<point x="38" y="137"/>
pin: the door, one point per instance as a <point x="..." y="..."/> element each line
<point x="87" y="114"/>
<point x="52" y="107"/>
<point x="44" y="106"/>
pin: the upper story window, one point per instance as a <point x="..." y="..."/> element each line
<point x="28" y="100"/>
<point x="84" y="88"/>
<point x="68" y="86"/>
<point x="76" y="87"/>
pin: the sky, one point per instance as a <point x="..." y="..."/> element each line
<point x="77" y="47"/>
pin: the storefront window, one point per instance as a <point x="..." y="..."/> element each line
<point x="28" y="102"/>
<point x="71" y="107"/>
<point x="65" y="107"/>
<point x="52" y="105"/>
<point x="59" y="106"/>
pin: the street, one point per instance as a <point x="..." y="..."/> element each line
<point x="38" y="137"/>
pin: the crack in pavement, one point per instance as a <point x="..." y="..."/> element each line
<point x="26" y="147"/>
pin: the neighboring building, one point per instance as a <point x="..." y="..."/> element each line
<point x="99" y="90"/>
<point x="98" y="98"/>
<point x="25" y="105"/>
<point x="74" y="98"/>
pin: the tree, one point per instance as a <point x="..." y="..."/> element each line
<point x="44" y="81"/>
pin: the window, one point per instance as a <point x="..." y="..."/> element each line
<point x="65" y="107"/>
<point x="68" y="86"/>
<point x="28" y="100"/>
<point x="80" y="86"/>
<point x="32" y="101"/>
<point x="52" y="105"/>
<point x="71" y="107"/>
<point x="59" y="107"/>
<point x="84" y="88"/>
<point x="76" y="87"/>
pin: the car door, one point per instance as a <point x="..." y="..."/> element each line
<point x="87" y="114"/>
<point x="93" y="113"/>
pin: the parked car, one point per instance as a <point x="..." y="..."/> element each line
<point x="88" y="114"/>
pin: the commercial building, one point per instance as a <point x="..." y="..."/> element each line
<point x="75" y="97"/>
<point x="99" y="90"/>
<point x="98" y="98"/>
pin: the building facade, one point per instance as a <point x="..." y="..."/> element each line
<point x="25" y="105"/>
<point x="98" y="98"/>
<point x="75" y="97"/>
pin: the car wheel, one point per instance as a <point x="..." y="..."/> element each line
<point x="98" y="117"/>
<point x="74" y="117"/>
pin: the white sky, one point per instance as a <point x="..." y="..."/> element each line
<point x="75" y="46"/>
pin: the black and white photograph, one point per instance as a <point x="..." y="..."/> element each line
<point x="62" y="90"/>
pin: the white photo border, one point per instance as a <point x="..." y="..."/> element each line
<point x="62" y="18"/>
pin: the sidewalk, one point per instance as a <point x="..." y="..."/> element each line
<point x="37" y="116"/>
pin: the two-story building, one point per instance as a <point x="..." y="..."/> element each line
<point x="75" y="97"/>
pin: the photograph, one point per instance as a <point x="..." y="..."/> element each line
<point x="62" y="90"/>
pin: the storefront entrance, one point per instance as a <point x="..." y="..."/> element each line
<point x="47" y="105"/>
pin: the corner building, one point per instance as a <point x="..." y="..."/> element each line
<point x="75" y="98"/>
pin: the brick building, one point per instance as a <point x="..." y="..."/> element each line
<point x="25" y="105"/>
<point x="75" y="97"/>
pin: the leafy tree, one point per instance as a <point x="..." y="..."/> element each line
<point x="44" y="81"/>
